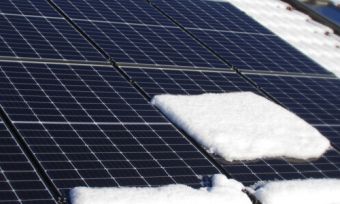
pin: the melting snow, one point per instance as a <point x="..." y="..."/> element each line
<point x="310" y="37"/>
<point x="311" y="191"/>
<point x="242" y="126"/>
<point x="223" y="191"/>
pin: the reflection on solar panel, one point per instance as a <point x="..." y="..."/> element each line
<point x="33" y="35"/>
<point x="196" y="82"/>
<point x="236" y="37"/>
<point x="19" y="183"/>
<point x="140" y="35"/>
<point x="88" y="127"/>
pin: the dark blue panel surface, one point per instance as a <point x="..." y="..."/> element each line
<point x="28" y="7"/>
<point x="34" y="29"/>
<point x="258" y="52"/>
<point x="48" y="38"/>
<point x="127" y="11"/>
<point x="19" y="182"/>
<point x="197" y="82"/>
<point x="149" y="45"/>
<point x="134" y="32"/>
<point x="210" y="15"/>
<point x="59" y="93"/>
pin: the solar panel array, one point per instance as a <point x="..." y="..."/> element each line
<point x="73" y="119"/>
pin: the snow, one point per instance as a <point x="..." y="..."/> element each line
<point x="242" y="126"/>
<point x="311" y="191"/>
<point x="310" y="37"/>
<point x="223" y="190"/>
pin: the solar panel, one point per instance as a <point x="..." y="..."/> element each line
<point x="157" y="81"/>
<point x="237" y="38"/>
<point x="26" y="33"/>
<point x="88" y="127"/>
<point x="138" y="35"/>
<point x="19" y="182"/>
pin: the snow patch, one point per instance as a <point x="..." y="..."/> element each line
<point x="311" y="191"/>
<point x="223" y="190"/>
<point x="242" y="126"/>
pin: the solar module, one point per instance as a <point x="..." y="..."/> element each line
<point x="237" y="38"/>
<point x="139" y="35"/>
<point x="88" y="127"/>
<point x="26" y="33"/>
<point x="19" y="182"/>
<point x="156" y="81"/>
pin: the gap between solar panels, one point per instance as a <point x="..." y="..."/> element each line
<point x="30" y="155"/>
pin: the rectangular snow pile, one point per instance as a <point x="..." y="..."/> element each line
<point x="243" y="126"/>
<point x="311" y="191"/>
<point x="222" y="191"/>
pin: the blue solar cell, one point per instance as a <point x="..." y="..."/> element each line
<point x="88" y="127"/>
<point x="19" y="182"/>
<point x="155" y="81"/>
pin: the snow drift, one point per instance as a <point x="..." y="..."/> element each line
<point x="242" y="126"/>
<point x="223" y="191"/>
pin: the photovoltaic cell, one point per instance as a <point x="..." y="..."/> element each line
<point x="88" y="127"/>
<point x="196" y="82"/>
<point x="26" y="32"/>
<point x="19" y="182"/>
<point x="138" y="35"/>
<point x="237" y="38"/>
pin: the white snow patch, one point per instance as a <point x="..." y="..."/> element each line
<point x="311" y="191"/>
<point x="223" y="191"/>
<point x="242" y="126"/>
<point x="310" y="37"/>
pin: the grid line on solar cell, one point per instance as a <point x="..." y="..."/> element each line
<point x="141" y="150"/>
<point x="255" y="49"/>
<point x="156" y="81"/>
<point x="36" y="36"/>
<point x="19" y="182"/>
